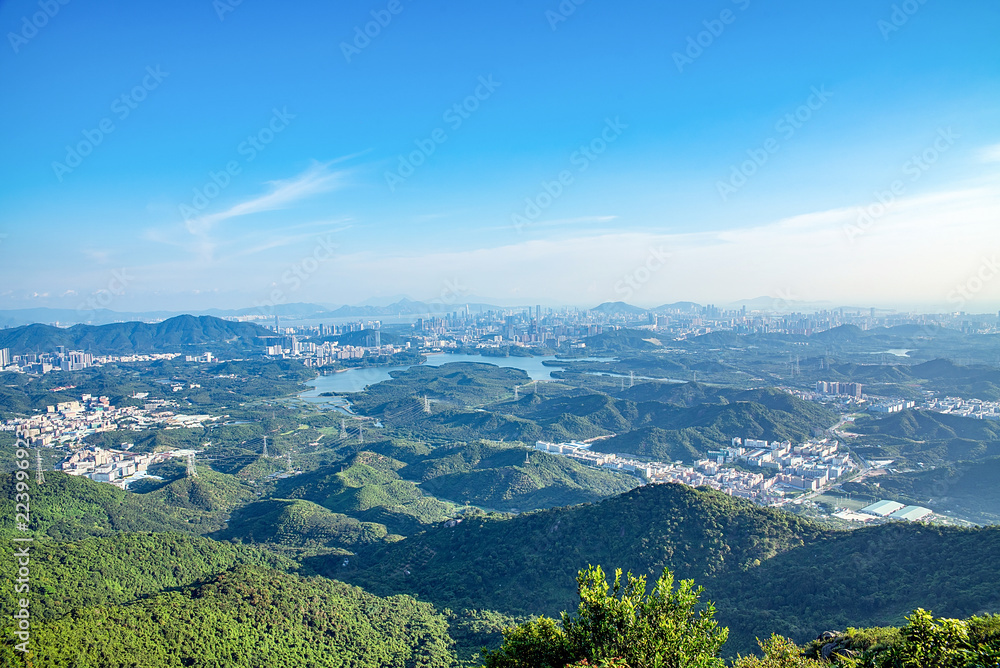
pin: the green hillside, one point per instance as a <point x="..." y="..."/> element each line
<point x="459" y="383"/>
<point x="573" y="413"/>
<point x="677" y="394"/>
<point x="370" y="490"/>
<point x="514" y="565"/>
<point x="671" y="432"/>
<point x="927" y="425"/>
<point x="495" y="475"/>
<point x="620" y="341"/>
<point x="124" y="567"/>
<point x="767" y="570"/>
<point x="71" y="508"/>
<point x="298" y="524"/>
<point x="867" y="577"/>
<point x="247" y="617"/>
<point x="210" y="492"/>
<point x="927" y="437"/>
<point x="599" y="412"/>
<point x="659" y="444"/>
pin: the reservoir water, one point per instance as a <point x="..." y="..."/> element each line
<point x="355" y="380"/>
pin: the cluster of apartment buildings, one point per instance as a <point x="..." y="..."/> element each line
<point x="970" y="408"/>
<point x="977" y="409"/>
<point x="809" y="466"/>
<point x="806" y="467"/>
<point x="111" y="466"/>
<point x="71" y="421"/>
<point x="68" y="360"/>
<point x="327" y="353"/>
<point x="887" y="406"/>
<point x="837" y="388"/>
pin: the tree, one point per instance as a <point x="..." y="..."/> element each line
<point x="778" y="652"/>
<point x="620" y="624"/>
<point x="539" y="643"/>
<point x="932" y="643"/>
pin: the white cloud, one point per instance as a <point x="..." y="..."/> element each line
<point x="990" y="153"/>
<point x="317" y="179"/>
<point x="917" y="252"/>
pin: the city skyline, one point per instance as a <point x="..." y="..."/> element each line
<point x="641" y="154"/>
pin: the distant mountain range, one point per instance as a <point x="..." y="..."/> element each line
<point x="177" y="334"/>
<point x="408" y="307"/>
<point x="621" y="308"/>
<point x="617" y="308"/>
<point x="63" y="317"/>
<point x="15" y="318"/>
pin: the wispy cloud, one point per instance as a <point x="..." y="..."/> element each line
<point x="560" y="222"/>
<point x="949" y="231"/>
<point x="990" y="153"/>
<point x="286" y="239"/>
<point x="317" y="179"/>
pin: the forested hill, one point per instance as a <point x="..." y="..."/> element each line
<point x="110" y="590"/>
<point x="527" y="564"/>
<point x="169" y="600"/>
<point x="178" y="334"/>
<point x="768" y="571"/>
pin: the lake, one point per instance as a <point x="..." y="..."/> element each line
<point x="356" y="380"/>
<point x="898" y="352"/>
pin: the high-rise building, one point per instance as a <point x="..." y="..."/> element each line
<point x="4" y="357"/>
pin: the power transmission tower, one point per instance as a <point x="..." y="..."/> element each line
<point x="631" y="379"/>
<point x="264" y="452"/>
<point x="516" y="396"/>
<point x="288" y="458"/>
<point x="192" y="472"/>
<point x="427" y="404"/>
<point x="361" y="434"/>
<point x="343" y="429"/>
<point x="39" y="476"/>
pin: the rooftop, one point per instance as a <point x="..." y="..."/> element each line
<point x="883" y="508"/>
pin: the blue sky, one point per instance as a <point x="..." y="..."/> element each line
<point x="685" y="171"/>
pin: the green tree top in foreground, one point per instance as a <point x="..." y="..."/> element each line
<point x="620" y="625"/>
